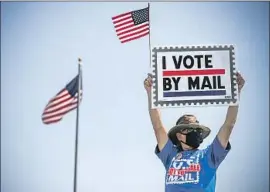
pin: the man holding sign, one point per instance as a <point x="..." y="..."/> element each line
<point x="189" y="169"/>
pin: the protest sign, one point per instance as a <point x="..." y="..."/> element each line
<point x="194" y="76"/>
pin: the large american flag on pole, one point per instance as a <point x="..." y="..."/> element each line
<point x="132" y="25"/>
<point x="63" y="102"/>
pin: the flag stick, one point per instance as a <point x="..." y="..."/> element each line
<point x="149" y="35"/>
<point x="149" y="41"/>
<point x="77" y="127"/>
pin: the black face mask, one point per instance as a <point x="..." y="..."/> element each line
<point x="193" y="138"/>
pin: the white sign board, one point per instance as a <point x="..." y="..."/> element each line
<point x="193" y="76"/>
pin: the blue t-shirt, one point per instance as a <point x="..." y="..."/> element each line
<point x="192" y="170"/>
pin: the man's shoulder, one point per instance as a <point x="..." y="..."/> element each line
<point x="201" y="153"/>
<point x="205" y="148"/>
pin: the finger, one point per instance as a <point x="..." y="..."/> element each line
<point x="240" y="80"/>
<point x="239" y="74"/>
<point x="151" y="80"/>
<point x="146" y="80"/>
<point x="147" y="84"/>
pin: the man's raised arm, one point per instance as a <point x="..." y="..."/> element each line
<point x="160" y="131"/>
<point x="226" y="129"/>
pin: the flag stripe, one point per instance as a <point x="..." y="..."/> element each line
<point x="49" y="109"/>
<point x="60" y="100"/>
<point x="135" y="32"/>
<point x="53" y="104"/>
<point x="59" y="107"/>
<point x="57" y="118"/>
<point x="134" y="28"/>
<point x="128" y="17"/>
<point x="125" y="27"/>
<point x="124" y="23"/>
<point x="135" y="37"/>
<point x="121" y="15"/>
<point x="61" y="111"/>
<point x="51" y="121"/>
<point x="61" y="94"/>
<point x="52" y="109"/>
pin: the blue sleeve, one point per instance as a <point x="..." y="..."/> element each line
<point x="216" y="153"/>
<point x="167" y="153"/>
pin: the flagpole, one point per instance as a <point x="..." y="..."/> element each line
<point x="149" y="41"/>
<point x="77" y="127"/>
<point x="149" y="38"/>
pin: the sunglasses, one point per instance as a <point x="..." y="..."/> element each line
<point x="188" y="130"/>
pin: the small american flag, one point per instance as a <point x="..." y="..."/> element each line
<point x="132" y="25"/>
<point x="64" y="102"/>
